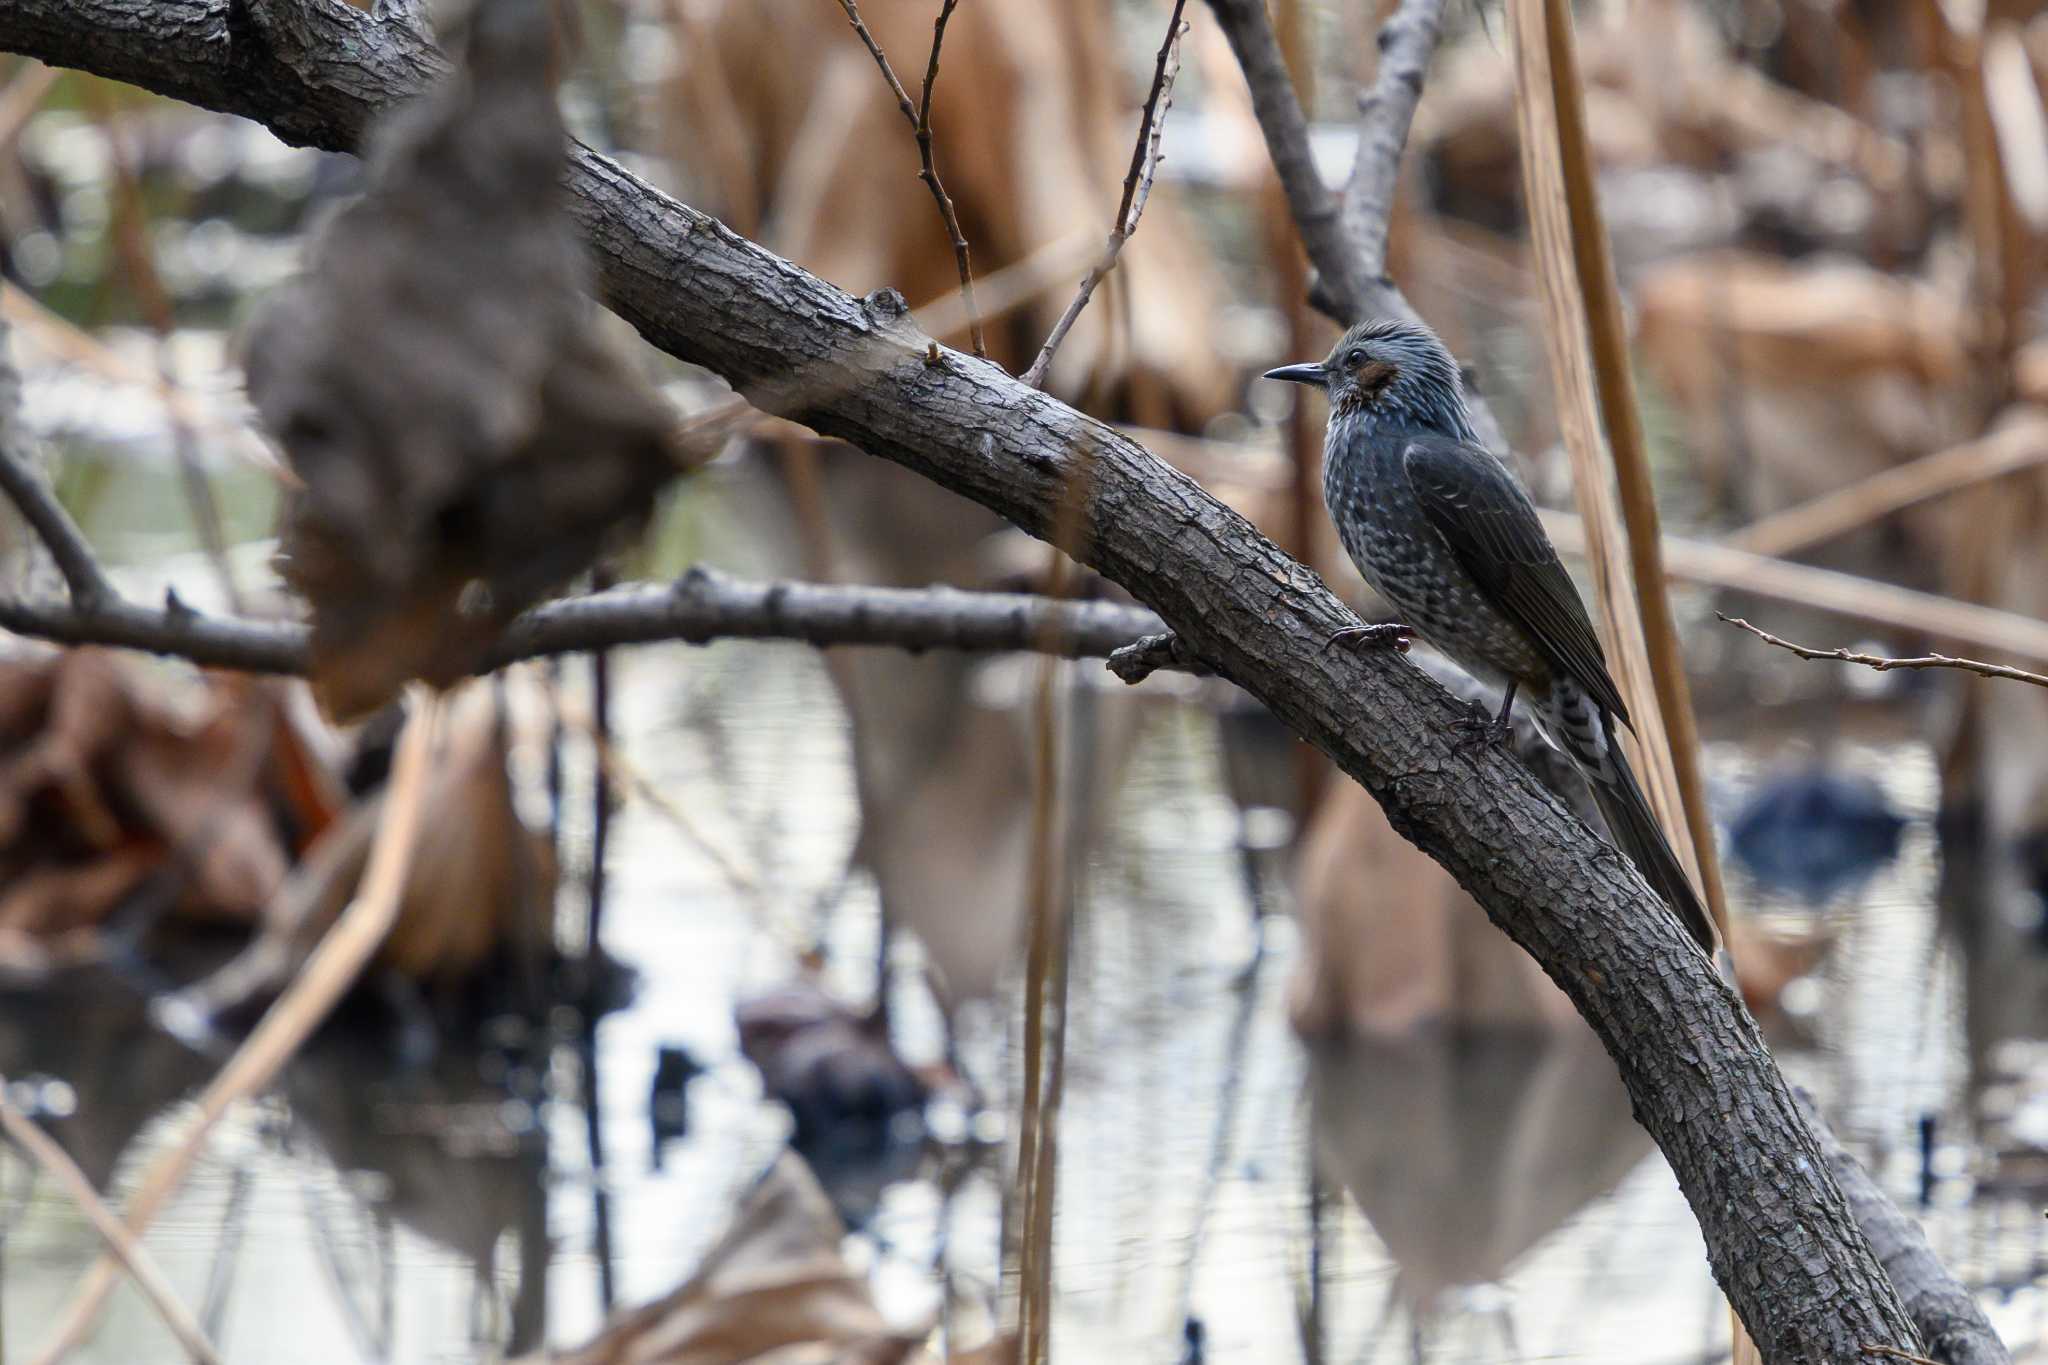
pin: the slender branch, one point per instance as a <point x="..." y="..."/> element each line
<point x="38" y="505"/>
<point x="1407" y="42"/>
<point x="920" y="118"/>
<point x="1145" y="157"/>
<point x="1884" y="664"/>
<point x="22" y="480"/>
<point x="1780" y="1236"/>
<point x="701" y="606"/>
<point x="1314" y="208"/>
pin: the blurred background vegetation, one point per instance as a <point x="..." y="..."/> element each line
<point x="1314" y="1105"/>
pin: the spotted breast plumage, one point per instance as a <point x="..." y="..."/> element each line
<point x="1444" y="532"/>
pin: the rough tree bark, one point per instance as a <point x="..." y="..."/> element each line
<point x="1782" y="1241"/>
<point x="1950" y="1322"/>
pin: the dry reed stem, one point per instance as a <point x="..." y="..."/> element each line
<point x="22" y="98"/>
<point x="1572" y="380"/>
<point x="920" y="119"/>
<point x="1576" y="279"/>
<point x="133" y="1256"/>
<point x="626" y="774"/>
<point x="1044" y="990"/>
<point x="1948" y="619"/>
<point x="333" y="967"/>
<point x="1885" y="663"/>
<point x="1630" y="451"/>
<point x="2021" y="443"/>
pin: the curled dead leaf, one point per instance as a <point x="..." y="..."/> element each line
<point x="111" y="796"/>
<point x="481" y="884"/>
<point x="774" y="1288"/>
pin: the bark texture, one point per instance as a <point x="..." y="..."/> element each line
<point x="1950" y="1322"/>
<point x="1781" y="1237"/>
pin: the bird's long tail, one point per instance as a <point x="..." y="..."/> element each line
<point x="1635" y="831"/>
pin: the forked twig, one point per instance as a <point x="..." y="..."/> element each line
<point x="920" y="119"/>
<point x="1884" y="664"/>
<point x="326" y="976"/>
<point x="1145" y="158"/>
<point x="133" y="1256"/>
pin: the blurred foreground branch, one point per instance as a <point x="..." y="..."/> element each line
<point x="1884" y="664"/>
<point x="1783" y="1241"/>
<point x="21" y="479"/>
<point x="702" y="606"/>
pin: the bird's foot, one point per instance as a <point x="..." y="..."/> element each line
<point x="1483" y="729"/>
<point x="1389" y="633"/>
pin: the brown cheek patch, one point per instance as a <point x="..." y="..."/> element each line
<point x="1374" y="376"/>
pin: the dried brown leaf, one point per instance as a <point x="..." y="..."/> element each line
<point x="105" y="786"/>
<point x="481" y="882"/>
<point x="774" y="1289"/>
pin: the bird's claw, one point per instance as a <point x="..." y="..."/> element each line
<point x="1482" y="729"/>
<point x="1388" y="633"/>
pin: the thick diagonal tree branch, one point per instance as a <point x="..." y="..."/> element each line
<point x="702" y="606"/>
<point x="1954" y="1328"/>
<point x="1781" y="1238"/>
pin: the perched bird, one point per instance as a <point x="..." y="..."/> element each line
<point x="1445" y="533"/>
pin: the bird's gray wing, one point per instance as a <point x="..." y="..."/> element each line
<point x="1492" y="528"/>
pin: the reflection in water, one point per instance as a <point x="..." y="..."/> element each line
<point x="1463" y="1149"/>
<point x="450" y="1151"/>
<point x="1498" y="1202"/>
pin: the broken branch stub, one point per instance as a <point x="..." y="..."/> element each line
<point x="465" y="438"/>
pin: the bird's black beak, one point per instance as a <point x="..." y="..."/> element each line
<point x="1302" y="374"/>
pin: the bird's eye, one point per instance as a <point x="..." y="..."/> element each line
<point x="1355" y="359"/>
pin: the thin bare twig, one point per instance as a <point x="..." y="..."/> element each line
<point x="322" y="981"/>
<point x="920" y="119"/>
<point x="1145" y="157"/>
<point x="38" y="505"/>
<point x="133" y="1256"/>
<point x="1884" y="664"/>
